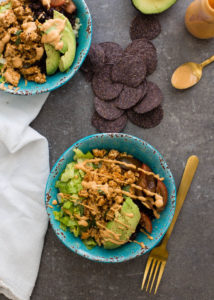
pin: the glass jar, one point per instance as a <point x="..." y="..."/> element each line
<point x="199" y="19"/>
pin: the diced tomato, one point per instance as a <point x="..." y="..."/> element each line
<point x="145" y="222"/>
<point x="56" y="3"/>
<point x="146" y="168"/>
<point x="147" y="181"/>
<point x="162" y="190"/>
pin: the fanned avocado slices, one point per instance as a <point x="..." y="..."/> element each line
<point x="54" y="60"/>
<point x="69" y="40"/>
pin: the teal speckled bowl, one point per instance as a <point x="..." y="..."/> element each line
<point x="140" y="150"/>
<point x="58" y="79"/>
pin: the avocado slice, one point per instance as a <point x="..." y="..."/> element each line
<point x="58" y="15"/>
<point x="129" y="215"/>
<point x="152" y="6"/>
<point x="52" y="60"/>
<point x="69" y="41"/>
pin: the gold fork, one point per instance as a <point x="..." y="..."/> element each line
<point x="159" y="255"/>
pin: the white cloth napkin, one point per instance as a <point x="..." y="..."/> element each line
<point x="24" y="167"/>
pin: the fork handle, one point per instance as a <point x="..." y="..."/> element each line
<point x="186" y="181"/>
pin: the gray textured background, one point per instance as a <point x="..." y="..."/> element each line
<point x="187" y="129"/>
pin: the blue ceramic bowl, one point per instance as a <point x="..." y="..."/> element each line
<point x="140" y="150"/>
<point x="58" y="79"/>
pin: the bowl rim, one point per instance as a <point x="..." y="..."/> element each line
<point x="63" y="81"/>
<point x="86" y="253"/>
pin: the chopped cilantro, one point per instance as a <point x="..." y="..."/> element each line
<point x="18" y="32"/>
<point x="18" y="41"/>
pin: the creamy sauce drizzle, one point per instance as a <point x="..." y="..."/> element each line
<point x="29" y="27"/>
<point x="83" y="223"/>
<point x="53" y="36"/>
<point x="115" y="241"/>
<point x="148" y="235"/>
<point x="81" y="166"/>
<point x="68" y="213"/>
<point x="46" y="3"/>
<point x="69" y="197"/>
<point x="151" y="173"/>
<point x="107" y="190"/>
<point x="82" y="220"/>
<point x="130" y="215"/>
<point x="158" y="198"/>
<point x="121" y="223"/>
<point x="39" y="53"/>
<point x="139" y="243"/>
<point x="107" y="230"/>
<point x="4" y="41"/>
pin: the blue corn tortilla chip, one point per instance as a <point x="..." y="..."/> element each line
<point x="107" y="109"/>
<point x="113" y="52"/>
<point x="146" y="50"/>
<point x="145" y="26"/>
<point x="148" y="120"/>
<point x="103" y="125"/>
<point x="130" y="70"/>
<point x="103" y="86"/>
<point x="129" y="97"/>
<point x="153" y="98"/>
<point x="94" y="60"/>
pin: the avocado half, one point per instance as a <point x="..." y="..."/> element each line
<point x="129" y="207"/>
<point x="152" y="6"/>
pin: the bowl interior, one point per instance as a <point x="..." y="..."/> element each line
<point x="144" y="152"/>
<point x="58" y="79"/>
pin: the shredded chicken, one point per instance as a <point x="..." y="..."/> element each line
<point x="12" y="76"/>
<point x="20" y="43"/>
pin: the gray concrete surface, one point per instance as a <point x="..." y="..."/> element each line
<point x="187" y="128"/>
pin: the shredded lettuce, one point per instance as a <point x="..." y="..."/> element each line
<point x="70" y="182"/>
<point x="5" y="7"/>
<point x="63" y="227"/>
<point x="69" y="172"/>
<point x="58" y="215"/>
<point x="73" y="186"/>
<point x="68" y="205"/>
<point x="90" y="243"/>
<point x="80" y="154"/>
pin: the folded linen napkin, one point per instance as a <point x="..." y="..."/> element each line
<point x="24" y="167"/>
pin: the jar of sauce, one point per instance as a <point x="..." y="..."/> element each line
<point x="199" y="19"/>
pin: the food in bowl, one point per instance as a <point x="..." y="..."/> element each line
<point x="36" y="39"/>
<point x="106" y="197"/>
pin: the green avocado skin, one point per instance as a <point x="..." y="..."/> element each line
<point x="52" y="60"/>
<point x="154" y="6"/>
<point x="69" y="40"/>
<point x="129" y="207"/>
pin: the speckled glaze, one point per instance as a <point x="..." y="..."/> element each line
<point x="58" y="79"/>
<point x="142" y="151"/>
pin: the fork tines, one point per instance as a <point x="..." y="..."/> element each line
<point x="156" y="265"/>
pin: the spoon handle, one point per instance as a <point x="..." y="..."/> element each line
<point x="207" y="61"/>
